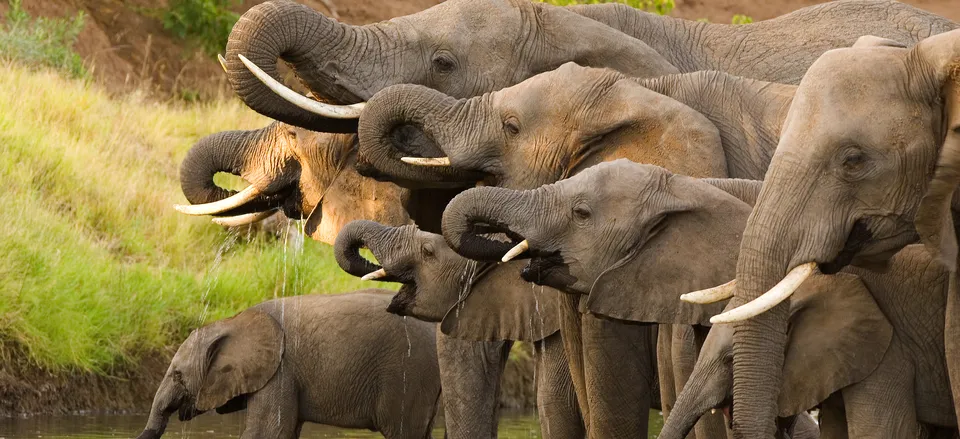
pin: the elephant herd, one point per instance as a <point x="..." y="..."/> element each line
<point x="736" y="224"/>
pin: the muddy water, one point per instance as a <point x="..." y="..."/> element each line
<point x="212" y="426"/>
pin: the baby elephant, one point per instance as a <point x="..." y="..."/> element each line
<point x="339" y="360"/>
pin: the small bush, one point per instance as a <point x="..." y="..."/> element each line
<point x="206" y="22"/>
<point x="741" y="19"/>
<point x="42" y="41"/>
<point x="661" y="7"/>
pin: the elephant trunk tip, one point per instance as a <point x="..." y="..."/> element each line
<point x="149" y="433"/>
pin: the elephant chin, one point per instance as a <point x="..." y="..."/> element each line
<point x="403" y="302"/>
<point x="551" y="271"/>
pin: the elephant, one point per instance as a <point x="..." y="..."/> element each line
<point x="866" y="164"/>
<point x="469" y="302"/>
<point x="880" y="366"/>
<point x="437" y="48"/>
<point x="331" y="359"/>
<point x="708" y="124"/>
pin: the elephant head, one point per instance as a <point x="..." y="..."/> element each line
<point x="544" y="129"/>
<point x="868" y="159"/>
<point x="460" y="47"/>
<point x="306" y="174"/>
<point x="472" y="301"/>
<point x="837" y="337"/>
<point x="216" y="367"/>
<point x="622" y="232"/>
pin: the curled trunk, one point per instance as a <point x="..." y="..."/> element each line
<point x="410" y="121"/>
<point x="473" y="219"/>
<point x="364" y="234"/>
<point x="237" y="153"/>
<point x="316" y="47"/>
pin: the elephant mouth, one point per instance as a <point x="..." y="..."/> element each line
<point x="403" y="302"/>
<point x="865" y="247"/>
<point x="549" y="270"/>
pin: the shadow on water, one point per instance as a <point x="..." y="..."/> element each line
<point x="513" y="425"/>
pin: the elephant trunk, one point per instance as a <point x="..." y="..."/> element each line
<point x="375" y="236"/>
<point x="411" y="121"/>
<point x="473" y="215"/>
<point x="165" y="403"/>
<point x="708" y="387"/>
<point x="316" y="46"/>
<point x="252" y="155"/>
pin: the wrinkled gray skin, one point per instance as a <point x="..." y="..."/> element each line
<point x="473" y="303"/>
<point x="880" y="357"/>
<point x="869" y="158"/>
<point x="436" y="47"/>
<point x="337" y="360"/>
<point x="307" y="174"/>
<point x="311" y="175"/>
<point x="551" y="126"/>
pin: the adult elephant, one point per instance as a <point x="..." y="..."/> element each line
<point x="868" y="159"/>
<point x="437" y="48"/>
<point x="555" y="124"/>
<point x="311" y="175"/>
<point x="473" y="303"/>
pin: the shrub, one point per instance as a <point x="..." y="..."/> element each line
<point x="42" y="41"/>
<point x="741" y="19"/>
<point x="662" y="7"/>
<point x="206" y="22"/>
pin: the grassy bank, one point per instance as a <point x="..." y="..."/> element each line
<point x="95" y="265"/>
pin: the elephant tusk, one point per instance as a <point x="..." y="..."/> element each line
<point x="515" y="251"/>
<point x="426" y="161"/>
<point x="711" y="295"/>
<point x="242" y="220"/>
<point x="223" y="62"/>
<point x="770" y="299"/>
<point x="319" y="108"/>
<point x="236" y="200"/>
<point x="375" y="275"/>
<point x="713" y="411"/>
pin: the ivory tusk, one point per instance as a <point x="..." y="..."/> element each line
<point x="711" y="295"/>
<point x="319" y="108"/>
<point x="223" y="62"/>
<point x="426" y="161"/>
<point x="713" y="411"/>
<point x="242" y="220"/>
<point x="516" y="250"/>
<point x="375" y="275"/>
<point x="770" y="299"/>
<point x="236" y="200"/>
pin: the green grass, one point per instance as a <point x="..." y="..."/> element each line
<point x="96" y="266"/>
<point x="42" y="41"/>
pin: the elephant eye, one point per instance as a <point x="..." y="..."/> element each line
<point x="443" y="63"/>
<point x="511" y="126"/>
<point x="854" y="161"/>
<point x="581" y="212"/>
<point x="427" y="250"/>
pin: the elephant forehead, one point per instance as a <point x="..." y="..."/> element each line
<point x="858" y="75"/>
<point x="619" y="176"/>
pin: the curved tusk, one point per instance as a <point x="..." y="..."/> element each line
<point x="236" y="200"/>
<point x="223" y="62"/>
<point x="711" y="295"/>
<point x="242" y="220"/>
<point x="319" y="108"/>
<point x="375" y="275"/>
<point x="426" y="161"/>
<point x="770" y="299"/>
<point x="516" y="250"/>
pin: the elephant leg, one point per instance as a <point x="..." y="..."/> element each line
<point x="557" y="403"/>
<point x="833" y="418"/>
<point x="665" y="369"/>
<point x="952" y="339"/>
<point x="570" y="334"/>
<point x="883" y="405"/>
<point x="684" y="349"/>
<point x="619" y="376"/>
<point x="273" y="412"/>
<point x="470" y="375"/>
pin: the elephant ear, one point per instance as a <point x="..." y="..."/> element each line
<point x="934" y="221"/>
<point x="499" y="306"/>
<point x="745" y="190"/>
<point x="242" y="355"/>
<point x="837" y="337"/>
<point x="700" y="223"/>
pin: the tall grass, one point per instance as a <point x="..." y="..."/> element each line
<point x="95" y="266"/>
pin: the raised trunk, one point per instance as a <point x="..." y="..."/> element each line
<point x="238" y="153"/>
<point x="410" y="121"/>
<point x="471" y="216"/>
<point x="360" y="234"/>
<point x="165" y="403"/>
<point x="320" y="49"/>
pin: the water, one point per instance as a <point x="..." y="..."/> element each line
<point x="513" y="425"/>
